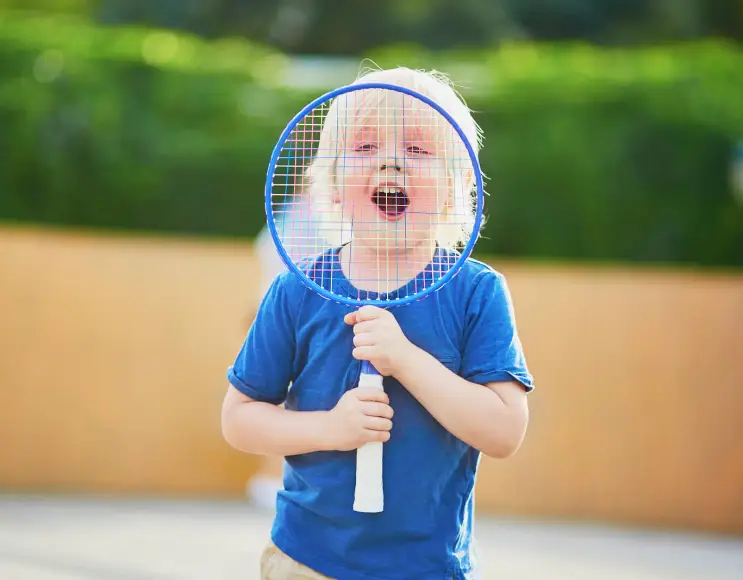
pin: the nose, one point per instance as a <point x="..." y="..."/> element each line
<point x="394" y="166"/>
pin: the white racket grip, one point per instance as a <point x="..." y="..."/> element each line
<point x="369" y="496"/>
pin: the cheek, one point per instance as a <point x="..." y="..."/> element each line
<point x="352" y="190"/>
<point x="433" y="187"/>
<point x="352" y="179"/>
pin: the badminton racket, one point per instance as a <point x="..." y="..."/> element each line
<point x="374" y="195"/>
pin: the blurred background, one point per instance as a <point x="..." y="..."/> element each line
<point x="135" y="138"/>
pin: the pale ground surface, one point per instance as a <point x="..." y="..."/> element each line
<point x="64" y="538"/>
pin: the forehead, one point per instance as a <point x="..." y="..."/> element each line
<point x="388" y="111"/>
<point x="380" y="100"/>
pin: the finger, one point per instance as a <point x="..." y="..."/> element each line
<point x="350" y="318"/>
<point x="377" y="424"/>
<point x="363" y="352"/>
<point x="365" y="326"/>
<point x="381" y="436"/>
<point x="377" y="409"/>
<point x="368" y="312"/>
<point x="365" y="339"/>
<point x="372" y="394"/>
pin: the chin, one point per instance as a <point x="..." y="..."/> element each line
<point x="388" y="236"/>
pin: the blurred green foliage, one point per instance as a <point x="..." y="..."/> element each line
<point x="348" y="27"/>
<point x="590" y="153"/>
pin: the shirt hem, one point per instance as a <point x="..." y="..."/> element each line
<point x="496" y="376"/>
<point x="333" y="571"/>
<point x="249" y="391"/>
<point x="318" y="565"/>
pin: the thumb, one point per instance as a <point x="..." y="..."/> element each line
<point x="350" y="318"/>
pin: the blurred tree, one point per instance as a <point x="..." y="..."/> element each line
<point x="583" y="19"/>
<point x="325" y="26"/>
<point x="353" y="27"/>
<point x="209" y="18"/>
<point x="723" y="17"/>
<point x="72" y="6"/>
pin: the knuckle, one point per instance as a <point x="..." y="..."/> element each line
<point x="369" y="312"/>
<point x="363" y="393"/>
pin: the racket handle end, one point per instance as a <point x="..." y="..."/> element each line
<point x="369" y="496"/>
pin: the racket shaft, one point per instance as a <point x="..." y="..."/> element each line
<point x="369" y="497"/>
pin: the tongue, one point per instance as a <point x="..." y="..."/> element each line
<point x="392" y="203"/>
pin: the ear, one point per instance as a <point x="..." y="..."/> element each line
<point x="449" y="201"/>
<point x="455" y="184"/>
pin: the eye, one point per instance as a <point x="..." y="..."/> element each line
<point x="416" y="150"/>
<point x="365" y="147"/>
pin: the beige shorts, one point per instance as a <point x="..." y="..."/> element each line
<point x="275" y="565"/>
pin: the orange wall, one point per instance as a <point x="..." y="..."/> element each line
<point x="638" y="412"/>
<point x="112" y="361"/>
<point x="113" y="352"/>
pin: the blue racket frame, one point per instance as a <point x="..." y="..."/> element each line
<point x="466" y="252"/>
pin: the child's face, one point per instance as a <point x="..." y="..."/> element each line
<point x="391" y="175"/>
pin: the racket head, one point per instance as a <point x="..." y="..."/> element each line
<point x="309" y="245"/>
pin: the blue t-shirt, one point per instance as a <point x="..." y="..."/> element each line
<point x="425" y="530"/>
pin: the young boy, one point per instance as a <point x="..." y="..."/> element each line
<point x="455" y="386"/>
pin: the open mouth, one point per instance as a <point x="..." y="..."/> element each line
<point x="392" y="201"/>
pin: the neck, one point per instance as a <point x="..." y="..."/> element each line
<point x="386" y="270"/>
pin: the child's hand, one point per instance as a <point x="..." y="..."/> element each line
<point x="362" y="415"/>
<point x="378" y="338"/>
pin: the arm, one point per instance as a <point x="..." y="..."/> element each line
<point x="251" y="426"/>
<point x="253" y="421"/>
<point x="265" y="429"/>
<point x="491" y="418"/>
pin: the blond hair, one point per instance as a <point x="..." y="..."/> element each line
<point x="456" y="223"/>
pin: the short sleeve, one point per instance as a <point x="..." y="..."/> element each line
<point x="492" y="350"/>
<point x="263" y="367"/>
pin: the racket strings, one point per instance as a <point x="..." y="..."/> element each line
<point x="362" y="189"/>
